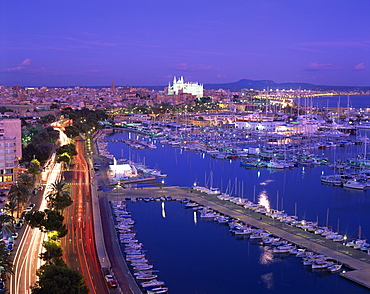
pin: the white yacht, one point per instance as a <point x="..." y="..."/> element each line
<point x="353" y="184"/>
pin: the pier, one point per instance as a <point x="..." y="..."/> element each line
<point x="358" y="262"/>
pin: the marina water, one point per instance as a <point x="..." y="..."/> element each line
<point x="203" y="257"/>
<point x="198" y="256"/>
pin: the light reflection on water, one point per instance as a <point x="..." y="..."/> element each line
<point x="268" y="280"/>
<point x="163" y="210"/>
<point x="195" y="217"/>
<point x="266" y="256"/>
<point x="264" y="200"/>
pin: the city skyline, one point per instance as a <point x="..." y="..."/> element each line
<point x="147" y="43"/>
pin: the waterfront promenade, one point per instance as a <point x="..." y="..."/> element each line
<point x="357" y="261"/>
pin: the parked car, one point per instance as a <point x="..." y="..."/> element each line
<point x="111" y="282"/>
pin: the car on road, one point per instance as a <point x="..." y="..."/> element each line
<point x="15" y="235"/>
<point x="18" y="225"/>
<point x="30" y="207"/>
<point x="111" y="282"/>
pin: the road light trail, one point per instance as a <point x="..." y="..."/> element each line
<point x="26" y="259"/>
<point x="79" y="220"/>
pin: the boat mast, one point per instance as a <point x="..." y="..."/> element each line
<point x="338" y="226"/>
<point x="295" y="209"/>
<point x="359" y="232"/>
<point x="327" y="217"/>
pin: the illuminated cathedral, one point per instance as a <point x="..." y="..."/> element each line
<point x="180" y="87"/>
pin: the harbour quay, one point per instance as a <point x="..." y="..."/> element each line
<point x="356" y="261"/>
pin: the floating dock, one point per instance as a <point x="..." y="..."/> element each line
<point x="357" y="261"/>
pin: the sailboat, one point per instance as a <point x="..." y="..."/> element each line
<point x="335" y="179"/>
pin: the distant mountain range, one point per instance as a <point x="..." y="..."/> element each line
<point x="264" y="84"/>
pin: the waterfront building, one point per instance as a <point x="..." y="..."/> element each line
<point x="257" y="122"/>
<point x="179" y="86"/>
<point x="121" y="171"/>
<point x="10" y="150"/>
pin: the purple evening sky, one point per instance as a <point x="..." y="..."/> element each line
<point x="146" y="42"/>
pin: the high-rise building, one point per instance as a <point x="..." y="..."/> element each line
<point x="179" y="87"/>
<point x="113" y="88"/>
<point x="10" y="150"/>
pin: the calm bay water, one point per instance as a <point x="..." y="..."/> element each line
<point x="206" y="258"/>
<point x="355" y="101"/>
<point x="200" y="256"/>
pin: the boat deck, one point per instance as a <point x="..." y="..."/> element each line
<point x="357" y="261"/>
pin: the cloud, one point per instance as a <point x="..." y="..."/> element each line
<point x="321" y="67"/>
<point x="360" y="66"/>
<point x="193" y="67"/>
<point x="94" y="71"/>
<point x="220" y="76"/>
<point x="26" y="62"/>
<point x="21" y="67"/>
<point x="15" y="69"/>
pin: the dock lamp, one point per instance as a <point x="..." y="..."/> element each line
<point x="344" y="239"/>
<point x="162" y="183"/>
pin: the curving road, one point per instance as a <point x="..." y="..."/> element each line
<point x="79" y="244"/>
<point x="26" y="258"/>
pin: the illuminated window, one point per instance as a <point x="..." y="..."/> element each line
<point x="8" y="178"/>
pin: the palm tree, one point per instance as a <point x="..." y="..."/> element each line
<point x="6" y="224"/>
<point x="59" y="198"/>
<point x="5" y="262"/>
<point x="11" y="207"/>
<point x="27" y="180"/>
<point x="20" y="194"/>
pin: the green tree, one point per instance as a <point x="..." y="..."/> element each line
<point x="53" y="252"/>
<point x="55" y="279"/>
<point x="71" y="131"/>
<point x="35" y="219"/>
<point x="48" y="220"/>
<point x="59" y="198"/>
<point x="66" y="152"/>
<point x="34" y="169"/>
<point x="70" y="149"/>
